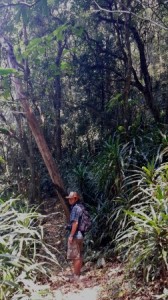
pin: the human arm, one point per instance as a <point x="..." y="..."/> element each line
<point x="73" y="231"/>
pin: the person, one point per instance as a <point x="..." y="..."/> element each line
<point x="75" y="237"/>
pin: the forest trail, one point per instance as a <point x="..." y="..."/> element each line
<point x="92" y="284"/>
<point x="98" y="281"/>
<point x="85" y="294"/>
<point x="94" y="277"/>
<point x="107" y="283"/>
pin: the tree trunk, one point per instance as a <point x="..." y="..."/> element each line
<point x="57" y="106"/>
<point x="148" y="94"/>
<point x="147" y="88"/>
<point x="37" y="133"/>
<point x="128" y="72"/>
<point x="57" y="103"/>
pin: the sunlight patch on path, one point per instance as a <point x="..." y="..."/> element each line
<point x="85" y="294"/>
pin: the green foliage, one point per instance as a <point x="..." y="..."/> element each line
<point x="115" y="101"/>
<point x="65" y="66"/>
<point x="59" y="32"/>
<point x="144" y="243"/>
<point x="21" y="241"/>
<point x="110" y="165"/>
<point x="7" y="71"/>
<point x="40" y="44"/>
<point x="2" y="161"/>
<point x="5" y="82"/>
<point x="149" y="171"/>
<point x="33" y="45"/>
<point x="67" y="39"/>
<point x="78" y="30"/>
<point x="109" y="186"/>
<point x="4" y="131"/>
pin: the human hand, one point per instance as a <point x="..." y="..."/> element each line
<point x="70" y="239"/>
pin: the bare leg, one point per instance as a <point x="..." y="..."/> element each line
<point x="77" y="264"/>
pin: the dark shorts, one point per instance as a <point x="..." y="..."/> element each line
<point x="75" y="249"/>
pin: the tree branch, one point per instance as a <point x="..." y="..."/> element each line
<point x="137" y="83"/>
<point x="105" y="51"/>
<point x="5" y="5"/>
<point x="9" y="48"/>
<point x="129" y="12"/>
<point x="147" y="90"/>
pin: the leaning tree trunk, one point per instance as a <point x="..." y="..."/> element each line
<point x="34" y="126"/>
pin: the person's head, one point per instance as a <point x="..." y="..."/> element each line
<point x="73" y="197"/>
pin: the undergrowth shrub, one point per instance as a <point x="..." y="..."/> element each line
<point x="107" y="187"/>
<point x="144" y="243"/>
<point x="21" y="242"/>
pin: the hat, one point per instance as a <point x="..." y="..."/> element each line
<point x="73" y="195"/>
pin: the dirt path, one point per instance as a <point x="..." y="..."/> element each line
<point x="97" y="283"/>
<point x="85" y="294"/>
<point x="93" y="278"/>
<point x="91" y="286"/>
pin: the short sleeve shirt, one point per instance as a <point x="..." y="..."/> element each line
<point x="76" y="212"/>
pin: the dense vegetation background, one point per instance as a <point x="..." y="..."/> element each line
<point x="84" y="106"/>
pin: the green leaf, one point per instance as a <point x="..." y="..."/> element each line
<point x="4" y="131"/>
<point x="59" y="32"/>
<point x="113" y="102"/>
<point x="51" y="2"/>
<point x="33" y="44"/>
<point x="2" y="161"/>
<point x="159" y="193"/>
<point x="65" y="65"/>
<point x="7" y="71"/>
<point x="78" y="31"/>
<point x="164" y="255"/>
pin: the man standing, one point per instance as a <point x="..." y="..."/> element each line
<point x="75" y="237"/>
